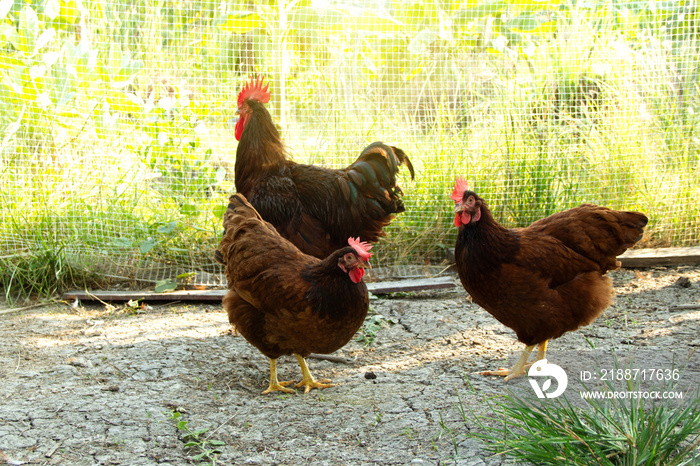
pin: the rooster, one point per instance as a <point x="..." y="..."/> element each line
<point x="315" y="208"/>
<point x="545" y="279"/>
<point x="286" y="302"/>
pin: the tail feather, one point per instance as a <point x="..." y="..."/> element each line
<point x="238" y="206"/>
<point x="403" y="159"/>
<point x="363" y="172"/>
<point x="383" y="151"/>
<point x="377" y="167"/>
<point x="633" y="224"/>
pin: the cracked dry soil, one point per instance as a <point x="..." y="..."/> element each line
<point x="91" y="385"/>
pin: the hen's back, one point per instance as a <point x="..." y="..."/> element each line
<point x="251" y="246"/>
<point x="595" y="232"/>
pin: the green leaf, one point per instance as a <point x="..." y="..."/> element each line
<point x="219" y="211"/>
<point x="163" y="286"/>
<point x="52" y="8"/>
<point x="70" y="11"/>
<point x="5" y="6"/>
<point x="45" y="38"/>
<point x="10" y="34"/>
<point x="125" y="102"/>
<point x="189" y="209"/>
<point x="49" y="58"/>
<point x="167" y="228"/>
<point x="240" y="22"/>
<point x="29" y="25"/>
<point x="122" y="242"/>
<point x="147" y="245"/>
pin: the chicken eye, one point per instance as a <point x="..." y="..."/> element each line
<point x="348" y="257"/>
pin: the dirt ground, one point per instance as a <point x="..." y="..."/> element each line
<point x="93" y="384"/>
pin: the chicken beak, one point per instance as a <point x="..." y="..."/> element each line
<point x="364" y="264"/>
<point x="459" y="208"/>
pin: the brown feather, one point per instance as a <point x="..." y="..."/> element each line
<point x="281" y="300"/>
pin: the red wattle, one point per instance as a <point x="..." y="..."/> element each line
<point x="239" y="127"/>
<point x="356" y="274"/>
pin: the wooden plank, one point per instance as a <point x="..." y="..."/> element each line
<point x="650" y="257"/>
<point x="418" y="284"/>
<point x="144" y="295"/>
<point x="438" y="283"/>
<point x="660" y="257"/>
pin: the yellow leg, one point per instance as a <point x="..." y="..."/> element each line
<point x="541" y="354"/>
<point x="517" y="370"/>
<point x="542" y="350"/>
<point x="308" y="380"/>
<point x="275" y="385"/>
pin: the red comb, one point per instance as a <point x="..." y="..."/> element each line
<point x="361" y="248"/>
<point x="254" y="90"/>
<point x="461" y="185"/>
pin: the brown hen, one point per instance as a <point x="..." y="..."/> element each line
<point x="284" y="301"/>
<point x="545" y="279"/>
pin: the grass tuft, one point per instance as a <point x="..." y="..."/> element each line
<point x="610" y="432"/>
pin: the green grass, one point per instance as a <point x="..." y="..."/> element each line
<point x="611" y="432"/>
<point x="201" y="450"/>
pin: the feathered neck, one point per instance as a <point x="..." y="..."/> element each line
<point x="487" y="236"/>
<point x="260" y="150"/>
<point x="332" y="293"/>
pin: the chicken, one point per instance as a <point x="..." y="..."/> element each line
<point x="315" y="208"/>
<point x="545" y="279"/>
<point x="284" y="301"/>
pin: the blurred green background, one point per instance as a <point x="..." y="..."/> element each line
<point x="116" y="120"/>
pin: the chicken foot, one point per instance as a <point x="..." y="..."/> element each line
<point x="275" y="385"/>
<point x="309" y="382"/>
<point x="518" y="369"/>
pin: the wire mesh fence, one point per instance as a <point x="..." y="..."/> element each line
<point x="117" y="117"/>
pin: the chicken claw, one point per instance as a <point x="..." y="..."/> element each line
<point x="279" y="387"/>
<point x="511" y="373"/>
<point x="275" y="385"/>
<point x="309" y="382"/>
<point x="518" y="370"/>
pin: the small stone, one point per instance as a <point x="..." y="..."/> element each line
<point x="683" y="282"/>
<point x="78" y="362"/>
